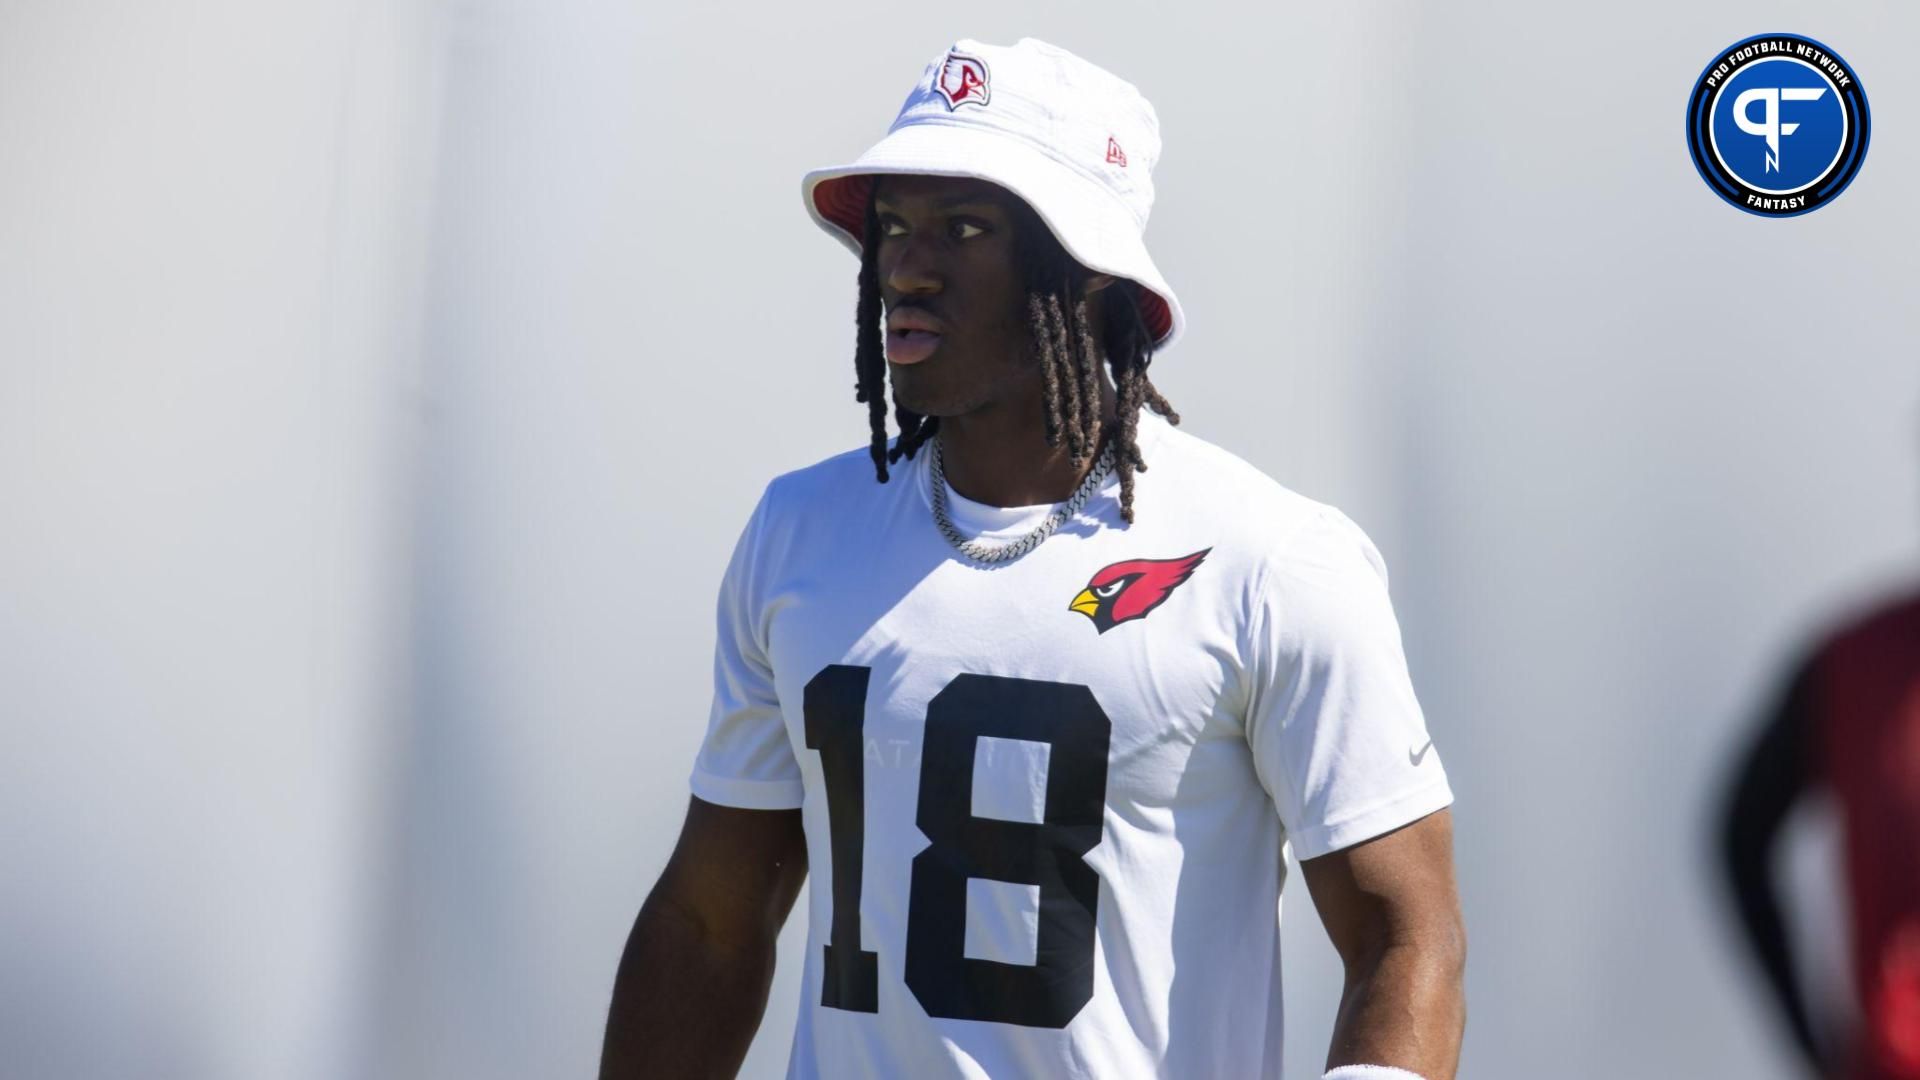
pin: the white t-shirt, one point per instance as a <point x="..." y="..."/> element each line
<point x="1046" y="804"/>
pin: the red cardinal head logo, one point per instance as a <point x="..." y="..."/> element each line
<point x="1128" y="590"/>
<point x="963" y="80"/>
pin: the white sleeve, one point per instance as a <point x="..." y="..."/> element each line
<point x="1337" y="735"/>
<point x="747" y="760"/>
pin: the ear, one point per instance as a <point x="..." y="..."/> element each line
<point x="1098" y="282"/>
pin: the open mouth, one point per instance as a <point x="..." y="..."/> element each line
<point x="911" y="346"/>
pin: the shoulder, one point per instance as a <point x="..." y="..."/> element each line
<point x="1310" y="581"/>
<point x="819" y="508"/>
<point x="1897" y="615"/>
<point x="831" y="480"/>
<point x="1281" y="530"/>
<point x="1876" y="633"/>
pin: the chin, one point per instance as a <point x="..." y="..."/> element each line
<point x="915" y="394"/>
<point x="952" y="389"/>
<point x="935" y="408"/>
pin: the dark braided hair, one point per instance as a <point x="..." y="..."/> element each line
<point x="1069" y="358"/>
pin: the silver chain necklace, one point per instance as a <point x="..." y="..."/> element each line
<point x="991" y="553"/>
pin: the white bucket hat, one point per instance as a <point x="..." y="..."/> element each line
<point x="1076" y="142"/>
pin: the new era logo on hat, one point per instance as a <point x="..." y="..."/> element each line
<point x="1042" y="123"/>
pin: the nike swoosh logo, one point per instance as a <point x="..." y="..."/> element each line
<point x="1415" y="757"/>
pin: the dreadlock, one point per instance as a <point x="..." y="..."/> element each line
<point x="1069" y="357"/>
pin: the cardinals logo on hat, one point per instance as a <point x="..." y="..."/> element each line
<point x="963" y="80"/>
<point x="1124" y="591"/>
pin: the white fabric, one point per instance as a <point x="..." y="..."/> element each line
<point x="1371" y="1072"/>
<point x="1264" y="700"/>
<point x="1045" y="132"/>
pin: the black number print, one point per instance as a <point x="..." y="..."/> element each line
<point x="835" y="707"/>
<point x="1049" y="854"/>
<point x="1049" y="992"/>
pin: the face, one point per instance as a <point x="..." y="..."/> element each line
<point x="957" y="335"/>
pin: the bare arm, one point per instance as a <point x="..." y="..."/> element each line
<point x="1391" y="908"/>
<point x="693" y="981"/>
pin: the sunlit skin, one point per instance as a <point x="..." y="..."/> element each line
<point x="948" y="249"/>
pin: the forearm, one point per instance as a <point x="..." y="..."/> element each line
<point x="1405" y="1006"/>
<point x="684" y="1005"/>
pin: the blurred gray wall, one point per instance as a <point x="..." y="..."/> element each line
<point x="382" y="388"/>
<point x="212" y="256"/>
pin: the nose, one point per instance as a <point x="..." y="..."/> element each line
<point x="914" y="267"/>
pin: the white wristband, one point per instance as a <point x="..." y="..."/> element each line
<point x="1371" y="1072"/>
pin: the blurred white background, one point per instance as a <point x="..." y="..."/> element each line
<point x="382" y="386"/>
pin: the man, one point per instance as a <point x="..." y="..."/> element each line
<point x="1847" y="723"/>
<point x="1042" y="761"/>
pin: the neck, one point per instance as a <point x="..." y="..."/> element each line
<point x="999" y="456"/>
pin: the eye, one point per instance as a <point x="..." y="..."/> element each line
<point x="1107" y="591"/>
<point x="891" y="225"/>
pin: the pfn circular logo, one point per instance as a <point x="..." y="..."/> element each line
<point x="1778" y="125"/>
